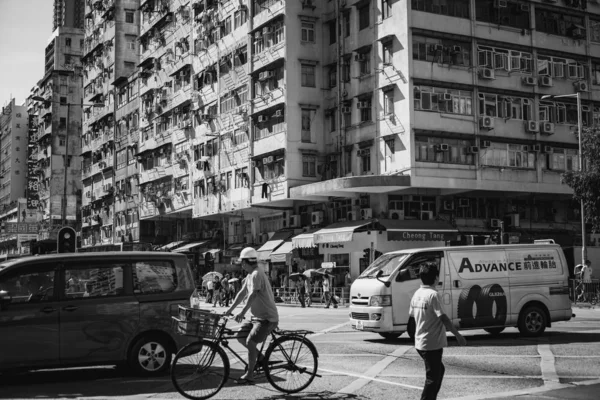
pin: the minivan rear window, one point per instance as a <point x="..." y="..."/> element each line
<point x="154" y="277"/>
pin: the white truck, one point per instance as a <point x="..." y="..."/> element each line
<point x="482" y="287"/>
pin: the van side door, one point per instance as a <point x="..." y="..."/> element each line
<point x="98" y="312"/>
<point x="407" y="282"/>
<point x="29" y="330"/>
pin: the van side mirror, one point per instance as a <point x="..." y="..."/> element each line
<point x="378" y="275"/>
<point x="5" y="299"/>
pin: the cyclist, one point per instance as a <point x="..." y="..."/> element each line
<point x="258" y="293"/>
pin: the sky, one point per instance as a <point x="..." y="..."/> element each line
<point x="25" y="27"/>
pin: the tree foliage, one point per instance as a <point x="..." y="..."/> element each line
<point x="586" y="183"/>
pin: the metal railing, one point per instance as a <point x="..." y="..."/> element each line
<point x="584" y="292"/>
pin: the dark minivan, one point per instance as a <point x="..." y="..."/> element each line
<point x="92" y="308"/>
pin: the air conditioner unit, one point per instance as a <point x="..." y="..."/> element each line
<point x="581" y="86"/>
<point x="485" y="144"/>
<point x="473" y="150"/>
<point x="362" y="152"/>
<point x="495" y="223"/>
<point x="396" y="214"/>
<point x="486" y="122"/>
<point x="362" y="104"/>
<point x="278" y="114"/>
<point x="366" y="213"/>
<point x="346" y="110"/>
<point x="269" y="159"/>
<point x="536" y="148"/>
<point x="448" y="205"/>
<point x="263" y="118"/>
<point x="546" y="81"/>
<point x="447" y="97"/>
<point x="264" y="160"/>
<point x="532" y="126"/>
<point x="351" y="216"/>
<point x="547" y="128"/>
<point x="487" y="73"/>
<point x="264" y="75"/>
<point x="294" y="221"/>
<point x="426" y="215"/>
<point x="463" y="202"/>
<point x="529" y="81"/>
<point x="240" y="110"/>
<point x="205" y="117"/>
<point x="548" y="149"/>
<point x="317" y="217"/>
<point x="442" y="147"/>
<point x="360" y="57"/>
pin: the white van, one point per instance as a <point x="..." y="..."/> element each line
<point x="482" y="287"/>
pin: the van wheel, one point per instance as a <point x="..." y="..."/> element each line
<point x="532" y="321"/>
<point x="411" y="328"/>
<point x="150" y="355"/>
<point x="494" y="331"/>
<point x="390" y="335"/>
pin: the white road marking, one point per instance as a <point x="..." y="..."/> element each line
<point x="376" y="369"/>
<point x="547" y="364"/>
<point x="324" y="331"/>
<point x="367" y="379"/>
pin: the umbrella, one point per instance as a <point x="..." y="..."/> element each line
<point x="233" y="280"/>
<point x="297" y="276"/>
<point x="211" y="275"/>
<point x="310" y="273"/>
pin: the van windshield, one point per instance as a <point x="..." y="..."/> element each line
<point x="386" y="263"/>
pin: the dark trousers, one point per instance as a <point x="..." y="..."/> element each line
<point x="302" y="297"/>
<point x="329" y="298"/>
<point x="434" y="373"/>
<point x="209" y="296"/>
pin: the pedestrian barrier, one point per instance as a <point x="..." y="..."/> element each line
<point x="317" y="296"/>
<point x="584" y="292"/>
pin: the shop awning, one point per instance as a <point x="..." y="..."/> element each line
<point x="170" y="246"/>
<point x="339" y="232"/>
<point x="211" y="251"/>
<point x="273" y="243"/>
<point x="189" y="247"/>
<point x="303" y="240"/>
<point x="416" y="230"/>
<point x="283" y="253"/>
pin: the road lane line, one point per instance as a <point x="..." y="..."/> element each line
<point x="376" y="369"/>
<point x="366" y="378"/>
<point x="324" y="331"/>
<point x="547" y="364"/>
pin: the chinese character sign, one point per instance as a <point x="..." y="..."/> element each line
<point x="32" y="195"/>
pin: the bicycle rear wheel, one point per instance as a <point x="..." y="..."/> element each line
<point x="291" y="363"/>
<point x="200" y="370"/>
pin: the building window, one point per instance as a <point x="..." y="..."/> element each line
<point x="500" y="106"/>
<point x="364" y="17"/>
<point x="508" y="155"/>
<point x="226" y="28"/>
<point x="388" y="102"/>
<point x="443" y="51"/>
<point x="239" y="18"/>
<point x="561" y="67"/>
<point x="308" y="32"/>
<point x="450" y="8"/>
<point x="365" y="160"/>
<point x="513" y="14"/>
<point x="308" y="75"/>
<point x="271" y="170"/>
<point x="429" y="149"/>
<point x="68" y="42"/>
<point x="364" y="62"/>
<point x="332" y="32"/>
<point x="386" y="9"/>
<point x="562" y="160"/>
<point x="309" y="166"/>
<point x="505" y="59"/>
<point x="364" y="105"/>
<point x="388" y="52"/>
<point x="559" y="23"/>
<point x="62" y="140"/>
<point x="129" y="17"/>
<point x="305" y="129"/>
<point x="62" y="123"/>
<point x="241" y="178"/>
<point x="332" y="119"/>
<point x="566" y="113"/>
<point x="443" y="100"/>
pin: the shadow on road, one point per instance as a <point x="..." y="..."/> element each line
<point x="315" y="396"/>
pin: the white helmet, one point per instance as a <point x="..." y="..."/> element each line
<point x="248" y="253"/>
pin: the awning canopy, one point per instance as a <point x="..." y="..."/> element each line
<point x="339" y="232"/>
<point x="303" y="240"/>
<point x="211" y="251"/>
<point x="265" y="251"/>
<point x="171" y="245"/>
<point x="189" y="246"/>
<point x="416" y="230"/>
<point x="283" y="253"/>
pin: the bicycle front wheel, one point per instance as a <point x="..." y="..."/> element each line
<point x="200" y="370"/>
<point x="291" y="363"/>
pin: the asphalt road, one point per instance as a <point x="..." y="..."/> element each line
<point x="359" y="365"/>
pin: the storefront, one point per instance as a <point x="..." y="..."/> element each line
<point x="281" y="261"/>
<point x="306" y="253"/>
<point x="193" y="253"/>
<point x="265" y="251"/>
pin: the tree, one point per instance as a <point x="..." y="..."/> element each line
<point x="586" y="183"/>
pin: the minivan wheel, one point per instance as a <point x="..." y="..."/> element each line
<point x="532" y="321"/>
<point x="390" y="335"/>
<point x="151" y="355"/>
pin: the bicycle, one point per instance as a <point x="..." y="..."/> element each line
<point x="201" y="369"/>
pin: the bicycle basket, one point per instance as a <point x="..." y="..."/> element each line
<point x="195" y="322"/>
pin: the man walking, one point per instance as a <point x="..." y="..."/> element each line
<point x="217" y="291"/>
<point x="209" y="289"/>
<point x="225" y="290"/>
<point x="431" y="324"/>
<point x="302" y="292"/>
<point x="329" y="298"/>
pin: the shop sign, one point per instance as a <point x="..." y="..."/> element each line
<point x="333" y="246"/>
<point x="422" y="236"/>
<point x="327" y="265"/>
<point x="21" y="227"/>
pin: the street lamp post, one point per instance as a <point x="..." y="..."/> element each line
<point x="66" y="159"/>
<point x="579" y="133"/>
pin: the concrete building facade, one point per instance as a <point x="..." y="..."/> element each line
<point x="68" y="13"/>
<point x="13" y="152"/>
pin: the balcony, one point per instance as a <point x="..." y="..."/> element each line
<point x="268" y="56"/>
<point x="434" y="121"/>
<point x="148" y="210"/>
<point x="268" y="100"/>
<point x="442" y="72"/>
<point x="265" y="15"/>
<point x="155" y="173"/>
<point x="181" y="200"/>
<point x="277" y="189"/>
<point x="206" y="205"/>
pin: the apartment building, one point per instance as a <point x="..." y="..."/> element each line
<point x="67" y="13"/>
<point x="13" y="152"/>
<point x="56" y="103"/>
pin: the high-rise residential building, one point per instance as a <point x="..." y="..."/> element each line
<point x="56" y="101"/>
<point x="68" y="13"/>
<point x="13" y="152"/>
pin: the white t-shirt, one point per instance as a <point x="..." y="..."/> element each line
<point x="263" y="306"/>
<point x="586" y="274"/>
<point x="426" y="308"/>
<point x="209" y="285"/>
<point x="326" y="284"/>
